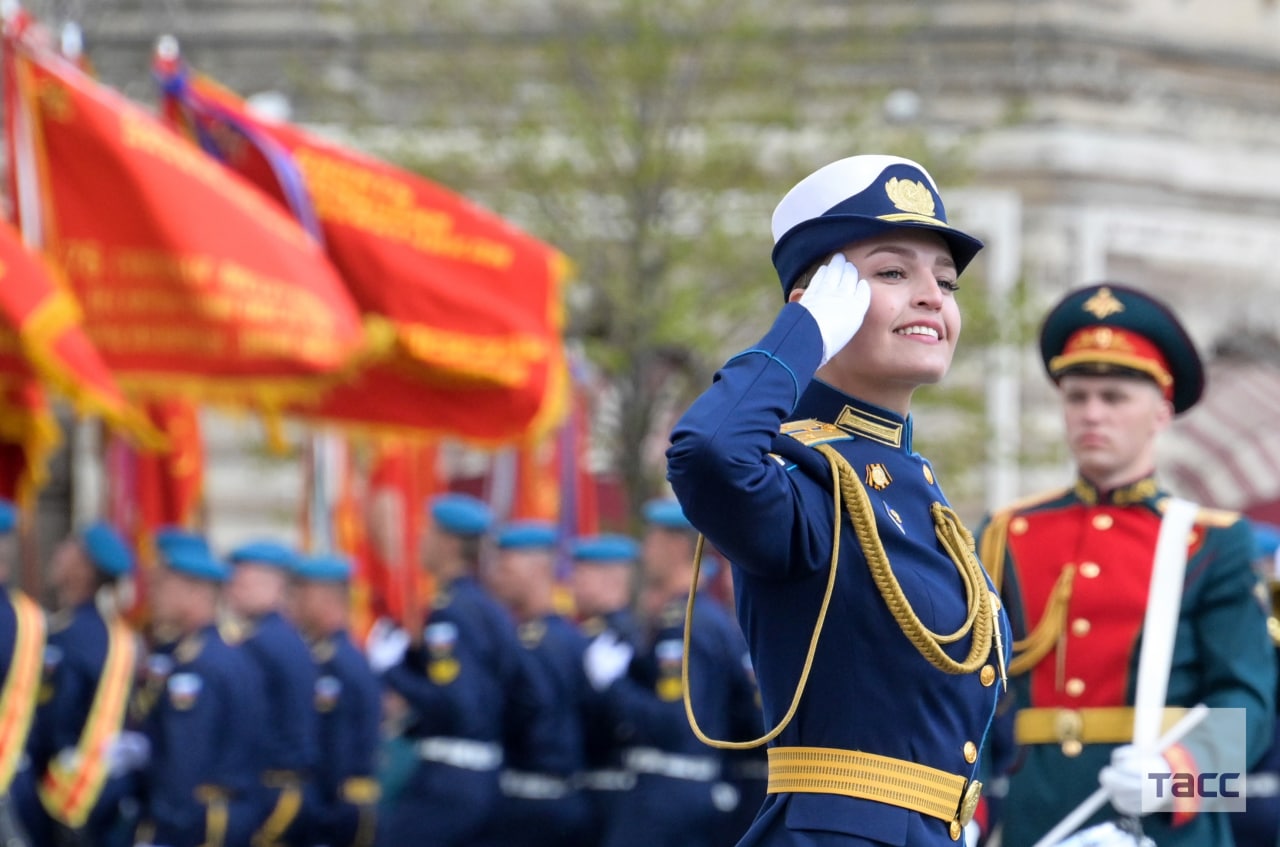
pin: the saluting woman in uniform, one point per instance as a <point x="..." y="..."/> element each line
<point x="875" y="636"/>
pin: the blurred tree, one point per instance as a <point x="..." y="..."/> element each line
<point x="649" y="141"/>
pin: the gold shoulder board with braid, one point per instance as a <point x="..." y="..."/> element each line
<point x="1213" y="518"/>
<point x="812" y="432"/>
<point x="995" y="536"/>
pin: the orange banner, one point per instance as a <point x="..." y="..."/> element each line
<point x="475" y="304"/>
<point x="198" y="284"/>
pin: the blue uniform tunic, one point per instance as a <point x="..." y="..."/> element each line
<point x="765" y="501"/>
<point x="604" y="781"/>
<point x="673" y="799"/>
<point x="540" y="803"/>
<point x="285" y="661"/>
<point x="348" y="701"/>
<point x="75" y="654"/>
<point x="469" y="687"/>
<point x="207" y="729"/>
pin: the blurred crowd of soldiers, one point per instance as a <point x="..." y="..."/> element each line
<point x="531" y="706"/>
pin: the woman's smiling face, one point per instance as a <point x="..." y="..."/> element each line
<point x="909" y="334"/>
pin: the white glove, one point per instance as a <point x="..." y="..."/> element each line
<point x="386" y="645"/>
<point x="972" y="832"/>
<point x="126" y="752"/>
<point x="838" y="301"/>
<point x="1126" y="776"/>
<point x="606" y="659"/>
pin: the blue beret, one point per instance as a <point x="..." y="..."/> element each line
<point x="188" y="553"/>
<point x="107" y="549"/>
<point x="324" y="567"/>
<point x="1266" y="538"/>
<point x="461" y="514"/>
<point x="611" y="549"/>
<point x="264" y="553"/>
<point x="857" y="198"/>
<point x="666" y="514"/>
<point x="527" y="535"/>
<point x="8" y="515"/>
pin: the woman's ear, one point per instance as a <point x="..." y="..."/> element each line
<point x="795" y="295"/>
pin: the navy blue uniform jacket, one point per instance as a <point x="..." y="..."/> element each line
<point x="765" y="501"/>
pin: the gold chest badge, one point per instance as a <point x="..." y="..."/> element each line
<point x="877" y="476"/>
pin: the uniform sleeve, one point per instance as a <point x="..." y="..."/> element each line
<point x="642" y="717"/>
<point x="719" y="465"/>
<point x="647" y="703"/>
<point x="1239" y="669"/>
<point x="440" y="705"/>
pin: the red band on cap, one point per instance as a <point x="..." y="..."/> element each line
<point x="1106" y="345"/>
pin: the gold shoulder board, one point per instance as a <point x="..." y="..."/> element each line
<point x="1217" y="518"/>
<point x="812" y="431"/>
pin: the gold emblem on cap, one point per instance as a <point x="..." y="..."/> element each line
<point x="878" y="476"/>
<point x="910" y="195"/>
<point x="1103" y="304"/>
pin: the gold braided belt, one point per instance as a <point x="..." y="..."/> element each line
<point x="866" y="776"/>
<point x="1074" y="728"/>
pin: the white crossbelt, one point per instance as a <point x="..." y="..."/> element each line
<point x="674" y="765"/>
<point x="465" y="753"/>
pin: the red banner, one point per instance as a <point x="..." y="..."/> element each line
<point x="402" y="479"/>
<point x="29" y="434"/>
<point x="197" y="283"/>
<point x="474" y="303"/>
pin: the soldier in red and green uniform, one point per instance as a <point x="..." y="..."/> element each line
<point x="1075" y="566"/>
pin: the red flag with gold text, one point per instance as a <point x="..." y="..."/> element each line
<point x="42" y="343"/>
<point x="197" y="284"/>
<point x="474" y="303"/>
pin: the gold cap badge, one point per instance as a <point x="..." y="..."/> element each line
<point x="1103" y="304"/>
<point x="910" y="195"/>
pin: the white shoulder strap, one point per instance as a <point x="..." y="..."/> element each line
<point x="1159" y="627"/>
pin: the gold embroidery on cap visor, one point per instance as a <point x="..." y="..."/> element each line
<point x="1058" y="364"/>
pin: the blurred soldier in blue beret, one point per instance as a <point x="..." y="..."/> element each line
<point x="22" y="645"/>
<point x="466" y="680"/>
<point x="603" y="580"/>
<point x="872" y="627"/>
<point x="207" y="728"/>
<point x="260" y="572"/>
<point x="78" y="758"/>
<point x="1076" y="567"/>
<point x="678" y="798"/>
<point x="541" y="804"/>
<point x="348" y="700"/>
<point x="603" y="583"/>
